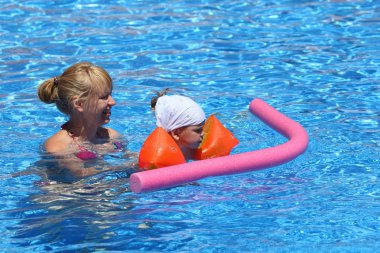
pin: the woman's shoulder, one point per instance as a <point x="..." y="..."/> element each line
<point x="58" y="142"/>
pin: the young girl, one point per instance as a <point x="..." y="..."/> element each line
<point x="83" y="93"/>
<point x="182" y="118"/>
<point x="183" y="134"/>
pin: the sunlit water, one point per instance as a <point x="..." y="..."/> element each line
<point x="315" y="61"/>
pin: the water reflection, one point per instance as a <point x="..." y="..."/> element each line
<point x="58" y="208"/>
<point x="70" y="214"/>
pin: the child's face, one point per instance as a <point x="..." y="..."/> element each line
<point x="190" y="136"/>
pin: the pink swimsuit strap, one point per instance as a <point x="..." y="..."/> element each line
<point x="85" y="154"/>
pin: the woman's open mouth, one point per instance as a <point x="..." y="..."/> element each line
<point x="107" y="113"/>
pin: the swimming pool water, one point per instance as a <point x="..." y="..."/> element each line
<point x="315" y="61"/>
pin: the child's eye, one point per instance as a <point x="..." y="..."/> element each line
<point x="198" y="131"/>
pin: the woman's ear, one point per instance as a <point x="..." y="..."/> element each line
<point x="77" y="104"/>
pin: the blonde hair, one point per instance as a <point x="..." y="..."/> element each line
<point x="83" y="80"/>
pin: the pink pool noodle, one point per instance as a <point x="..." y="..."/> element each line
<point x="238" y="163"/>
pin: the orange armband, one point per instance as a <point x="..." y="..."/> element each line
<point x="159" y="150"/>
<point x="217" y="140"/>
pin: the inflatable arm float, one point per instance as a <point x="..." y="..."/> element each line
<point x="238" y="163"/>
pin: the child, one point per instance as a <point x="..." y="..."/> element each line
<point x="182" y="118"/>
<point x="183" y="134"/>
<point x="83" y="93"/>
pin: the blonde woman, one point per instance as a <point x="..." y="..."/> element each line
<point x="84" y="93"/>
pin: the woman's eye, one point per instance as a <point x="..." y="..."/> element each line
<point x="105" y="97"/>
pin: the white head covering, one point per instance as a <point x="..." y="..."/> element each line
<point x="177" y="111"/>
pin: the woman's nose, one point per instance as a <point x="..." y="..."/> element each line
<point x="111" y="101"/>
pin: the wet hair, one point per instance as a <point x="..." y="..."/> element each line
<point x="83" y="80"/>
<point x="153" y="102"/>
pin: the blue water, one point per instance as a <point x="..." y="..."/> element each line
<point x="316" y="61"/>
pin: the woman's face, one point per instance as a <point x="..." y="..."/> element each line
<point x="190" y="136"/>
<point x="105" y="104"/>
<point x="100" y="110"/>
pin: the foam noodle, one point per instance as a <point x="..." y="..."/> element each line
<point x="259" y="159"/>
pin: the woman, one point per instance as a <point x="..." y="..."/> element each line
<point x="83" y="93"/>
